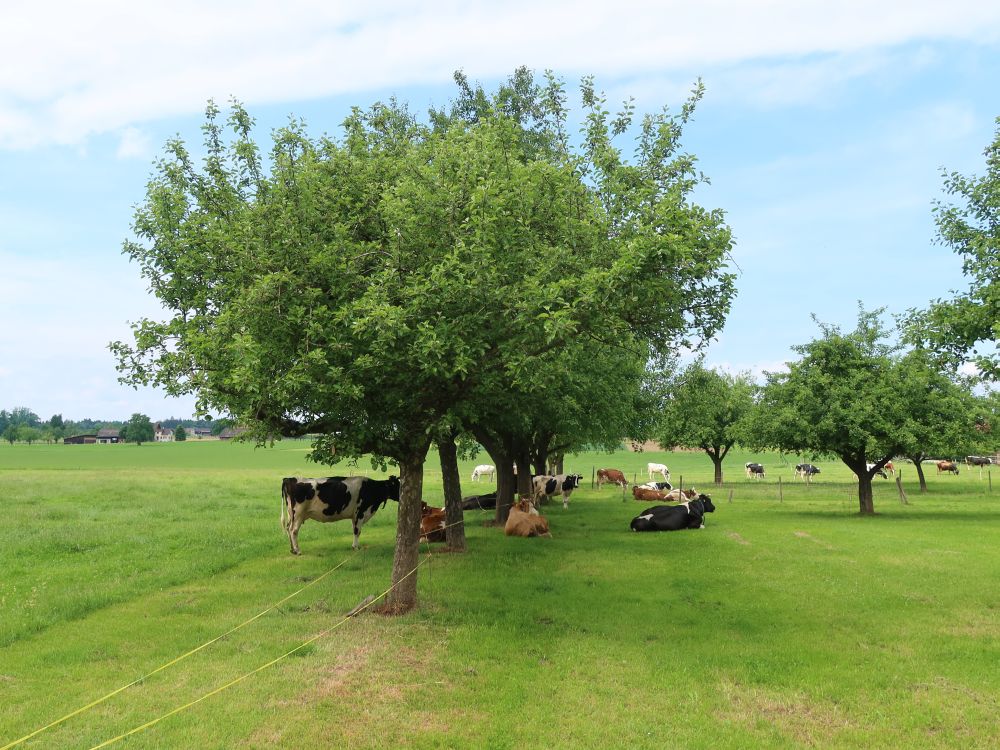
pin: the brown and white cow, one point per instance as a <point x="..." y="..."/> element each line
<point x="333" y="499"/>
<point x="524" y="520"/>
<point x="947" y="466"/>
<point x="610" y="476"/>
<point x="432" y="523"/>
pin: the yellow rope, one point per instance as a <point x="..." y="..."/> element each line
<point x="169" y="663"/>
<point x="217" y="690"/>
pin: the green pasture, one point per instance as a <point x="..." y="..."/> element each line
<point x="787" y="622"/>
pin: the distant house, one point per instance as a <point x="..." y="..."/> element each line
<point x="230" y="432"/>
<point x="163" y="434"/>
<point x="108" y="436"/>
<point x="80" y="440"/>
<point x="201" y="432"/>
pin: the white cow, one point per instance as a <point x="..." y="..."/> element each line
<point x="660" y="469"/>
<point x="484" y="470"/>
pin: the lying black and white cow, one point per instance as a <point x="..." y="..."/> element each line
<point x="661" y="486"/>
<point x="333" y="499"/>
<point x="806" y="471"/>
<point x="754" y="471"/>
<point x="480" y="502"/>
<point x="546" y="486"/>
<point x="688" y="515"/>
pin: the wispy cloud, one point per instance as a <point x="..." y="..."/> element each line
<point x="106" y="65"/>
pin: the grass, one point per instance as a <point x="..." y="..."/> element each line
<point x="791" y="623"/>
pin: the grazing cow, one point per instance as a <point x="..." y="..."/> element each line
<point x="755" y="471"/>
<point x="333" y="499"/>
<point x="524" y="520"/>
<point x="947" y="466"/>
<point x="432" y="523"/>
<point x="880" y="472"/>
<point x="480" y="502"/>
<point x="889" y="468"/>
<point x="660" y="469"/>
<point x="546" y="486"/>
<point x="657" y="486"/>
<point x="611" y="476"/>
<point x="805" y="471"/>
<point x="689" y="515"/>
<point x="978" y="461"/>
<point x="484" y="470"/>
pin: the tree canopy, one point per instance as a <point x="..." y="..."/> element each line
<point x="370" y="287"/>
<point x="968" y="326"/>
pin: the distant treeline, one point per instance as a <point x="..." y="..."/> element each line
<point x="21" y="424"/>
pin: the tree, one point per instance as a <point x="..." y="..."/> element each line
<point x="180" y="433"/>
<point x="939" y="412"/>
<point x="57" y="427"/>
<point x="10" y="433"/>
<point x="840" y="398"/>
<point x="138" y="430"/>
<point x="707" y="409"/>
<point x="370" y="288"/>
<point x="958" y="328"/>
<point x="27" y="434"/>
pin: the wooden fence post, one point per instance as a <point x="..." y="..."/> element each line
<point x="781" y="497"/>
<point x="899" y="486"/>
<point x="593" y="470"/>
<point x="730" y="494"/>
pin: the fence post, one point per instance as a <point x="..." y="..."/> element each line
<point x="781" y="497"/>
<point x="593" y="470"/>
<point x="899" y="486"/>
<point x="730" y="494"/>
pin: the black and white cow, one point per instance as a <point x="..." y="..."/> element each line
<point x="978" y="461"/>
<point x="687" y="515"/>
<point x="660" y="486"/>
<point x="880" y="472"/>
<point x="546" y="486"/>
<point x="333" y="499"/>
<point x="754" y="471"/>
<point x="806" y="471"/>
<point x="480" y="502"/>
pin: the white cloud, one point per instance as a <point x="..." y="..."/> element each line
<point x="133" y="144"/>
<point x="86" y="68"/>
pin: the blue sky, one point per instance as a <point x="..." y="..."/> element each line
<point x="824" y="129"/>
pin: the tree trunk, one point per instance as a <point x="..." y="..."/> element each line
<point x="403" y="596"/>
<point x="717" y="461"/>
<point x="865" y="500"/>
<point x="455" y="531"/>
<point x="920" y="472"/>
<point x="505" y="486"/>
<point x="523" y="472"/>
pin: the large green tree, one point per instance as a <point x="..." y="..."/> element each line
<point x="706" y="409"/>
<point x="366" y="288"/>
<point x="968" y="326"/>
<point x="138" y="430"/>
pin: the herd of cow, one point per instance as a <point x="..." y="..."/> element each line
<point x="357" y="498"/>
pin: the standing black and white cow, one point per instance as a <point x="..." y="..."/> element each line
<point x="688" y="515"/>
<point x="333" y="499"/>
<point x="805" y="471"/>
<point x="880" y="472"/>
<point x="546" y="486"/>
<point x="754" y="471"/>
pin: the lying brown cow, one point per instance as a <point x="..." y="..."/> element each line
<point x="646" y="495"/>
<point x="610" y="476"/>
<point x="432" y="523"/>
<point x="525" y="521"/>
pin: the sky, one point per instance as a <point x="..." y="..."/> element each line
<point x="824" y="131"/>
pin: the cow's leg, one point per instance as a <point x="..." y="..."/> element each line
<point x="294" y="524"/>
<point x="357" y="532"/>
<point x="565" y="501"/>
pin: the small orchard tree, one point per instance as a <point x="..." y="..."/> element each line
<point x="138" y="430"/>
<point x="10" y="433"/>
<point x="707" y="409"/>
<point x="939" y="410"/>
<point x="840" y="398"/>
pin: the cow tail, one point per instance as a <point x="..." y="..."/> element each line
<point x="284" y="502"/>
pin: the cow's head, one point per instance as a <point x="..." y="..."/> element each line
<point x="393" y="484"/>
<point x="707" y="502"/>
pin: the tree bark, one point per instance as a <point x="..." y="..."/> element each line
<point x="718" y="467"/>
<point x="523" y="486"/>
<point x="920" y="471"/>
<point x="403" y="596"/>
<point x="454" y="517"/>
<point x="865" y="500"/>
<point x="505" y="486"/>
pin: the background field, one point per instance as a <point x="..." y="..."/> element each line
<point x="782" y="624"/>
